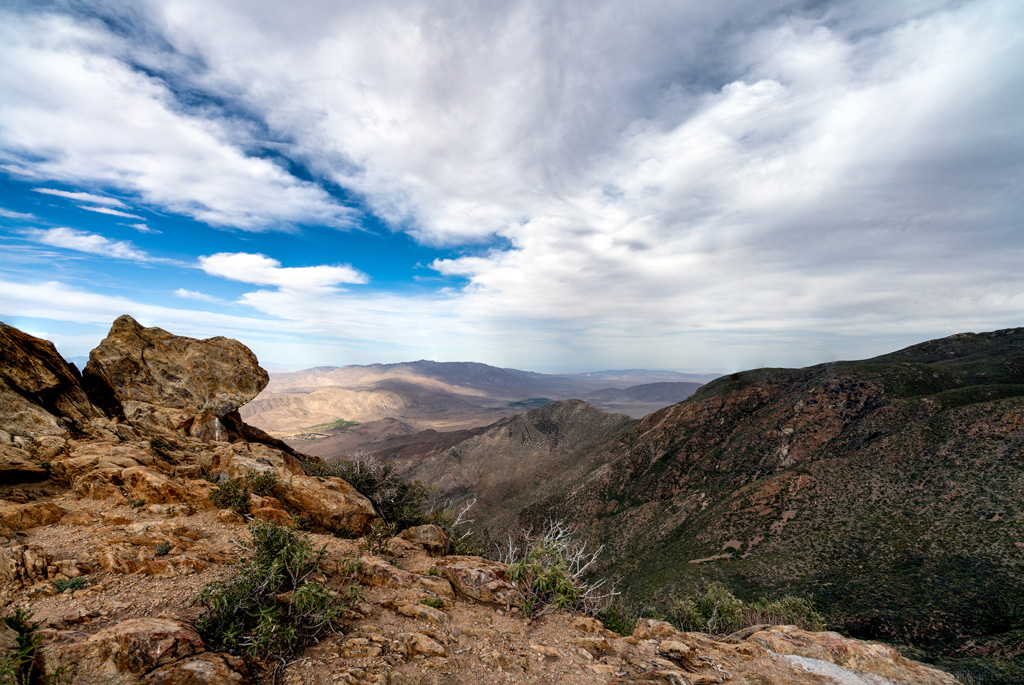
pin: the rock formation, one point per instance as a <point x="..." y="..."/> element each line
<point x="110" y="541"/>
<point x="163" y="382"/>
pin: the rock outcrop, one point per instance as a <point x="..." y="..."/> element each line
<point x="42" y="406"/>
<point x="165" y="382"/>
<point x="158" y="423"/>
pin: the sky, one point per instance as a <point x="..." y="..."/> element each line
<point x="552" y="186"/>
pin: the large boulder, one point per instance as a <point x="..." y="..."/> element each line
<point x="121" y="653"/>
<point x="163" y="382"/>
<point x="42" y="404"/>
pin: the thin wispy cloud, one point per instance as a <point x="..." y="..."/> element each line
<point x="81" y="197"/>
<point x="186" y="164"/>
<point x="10" y="214"/>
<point x="111" y="212"/>
<point x="83" y="241"/>
<point x="196" y="295"/>
<point x="142" y="228"/>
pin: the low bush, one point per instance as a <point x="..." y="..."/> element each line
<point x="16" y="667"/>
<point x="261" y="482"/>
<point x="72" y="584"/>
<point x="231" y="494"/>
<point x="397" y="499"/>
<point x="234" y="493"/>
<point x="550" y="572"/>
<point x="714" y="609"/>
<point x="270" y="607"/>
<point x="377" y="540"/>
<point x="455" y="525"/>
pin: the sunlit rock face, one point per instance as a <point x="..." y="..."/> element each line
<point x="165" y="382"/>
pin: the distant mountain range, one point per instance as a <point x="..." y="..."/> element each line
<point x="445" y="396"/>
<point x="888" y="490"/>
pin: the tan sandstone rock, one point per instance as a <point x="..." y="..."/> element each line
<point x="40" y="394"/>
<point x="430" y="537"/>
<point x="166" y="382"/>
<point x="480" y="583"/>
<point x="201" y="669"/>
<point x="120" y="653"/>
<point x="16" y="517"/>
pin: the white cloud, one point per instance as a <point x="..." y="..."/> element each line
<point x="196" y="295"/>
<point x="112" y="212"/>
<point x="82" y="197"/>
<point x="142" y="228"/>
<point x="10" y="214"/>
<point x="75" y="112"/>
<point x="83" y="241"/>
<point x="262" y="270"/>
<point x="660" y="181"/>
<point x="58" y="301"/>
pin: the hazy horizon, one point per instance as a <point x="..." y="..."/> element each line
<point x="556" y="187"/>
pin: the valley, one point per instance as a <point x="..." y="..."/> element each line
<point x="887" y="490"/>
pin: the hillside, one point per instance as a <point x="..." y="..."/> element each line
<point x="889" y="490"/>
<point x="446" y="396"/>
<point x="515" y="454"/>
<point x="148" y="536"/>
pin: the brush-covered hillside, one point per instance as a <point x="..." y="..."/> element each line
<point x="889" y="490"/>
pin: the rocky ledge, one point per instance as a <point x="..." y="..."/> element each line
<point x="107" y="477"/>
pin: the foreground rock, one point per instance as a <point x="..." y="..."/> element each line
<point x="42" y="406"/>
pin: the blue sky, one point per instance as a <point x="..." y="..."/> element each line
<point x="550" y="186"/>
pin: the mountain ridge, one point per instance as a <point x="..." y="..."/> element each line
<point x="441" y="395"/>
<point x="887" y="488"/>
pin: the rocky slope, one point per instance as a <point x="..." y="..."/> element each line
<point x="112" y="488"/>
<point x="515" y="454"/>
<point x="889" y="490"/>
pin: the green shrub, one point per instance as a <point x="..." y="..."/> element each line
<point x="163" y="548"/>
<point x="714" y="609"/>
<point x="619" y="617"/>
<point x="16" y="667"/>
<point x="269" y="607"/>
<point x="788" y="610"/>
<point x="376" y="541"/>
<point x="550" y="573"/>
<point x="397" y="499"/>
<point x="230" y="494"/>
<point x="261" y="482"/>
<point x="431" y="602"/>
<point x="63" y="584"/>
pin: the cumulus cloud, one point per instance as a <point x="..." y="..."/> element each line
<point x="81" y="197"/>
<point x="83" y="241"/>
<point x="259" y="269"/>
